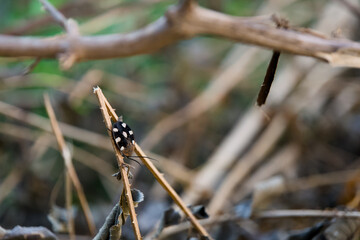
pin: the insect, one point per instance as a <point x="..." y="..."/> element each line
<point x="123" y="137"/>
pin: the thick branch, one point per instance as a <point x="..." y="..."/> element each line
<point x="181" y="22"/>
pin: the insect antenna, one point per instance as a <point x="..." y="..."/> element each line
<point x="144" y="157"/>
<point x="132" y="158"/>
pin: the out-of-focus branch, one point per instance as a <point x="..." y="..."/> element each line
<point x="72" y="175"/>
<point x="183" y="21"/>
<point x="57" y="16"/>
<point x="269" y="214"/>
<point x="355" y="9"/>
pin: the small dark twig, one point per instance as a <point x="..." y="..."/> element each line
<point x="269" y="77"/>
<point x="271" y="70"/>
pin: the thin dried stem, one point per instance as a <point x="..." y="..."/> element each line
<point x="68" y="201"/>
<point x="159" y="177"/>
<point x="69" y="166"/>
<point x="124" y="176"/>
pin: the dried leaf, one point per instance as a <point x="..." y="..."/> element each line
<point x="107" y="229"/>
<point x="199" y="211"/>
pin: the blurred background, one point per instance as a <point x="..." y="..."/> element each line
<point x="192" y="108"/>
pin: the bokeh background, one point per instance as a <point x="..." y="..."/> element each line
<point x="192" y="108"/>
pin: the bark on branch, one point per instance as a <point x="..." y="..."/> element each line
<point x="183" y="21"/>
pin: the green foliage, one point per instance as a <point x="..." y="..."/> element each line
<point x="241" y="8"/>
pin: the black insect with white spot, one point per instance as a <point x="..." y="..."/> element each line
<point x="123" y="137"/>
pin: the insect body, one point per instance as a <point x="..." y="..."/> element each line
<point x="123" y="137"/>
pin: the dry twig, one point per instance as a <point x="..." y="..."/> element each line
<point x="65" y="152"/>
<point x="172" y="193"/>
<point x="159" y="177"/>
<point x="105" y="109"/>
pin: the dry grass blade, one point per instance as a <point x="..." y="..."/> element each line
<point x="105" y="106"/>
<point x="159" y="177"/>
<point x="69" y="166"/>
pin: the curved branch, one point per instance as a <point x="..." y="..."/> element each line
<point x="183" y="21"/>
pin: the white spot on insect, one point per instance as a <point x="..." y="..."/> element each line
<point x="122" y="148"/>
<point x="133" y="142"/>
<point x="115" y="130"/>
<point x="125" y="134"/>
<point x="131" y="132"/>
<point x="123" y="124"/>
<point x="117" y="139"/>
